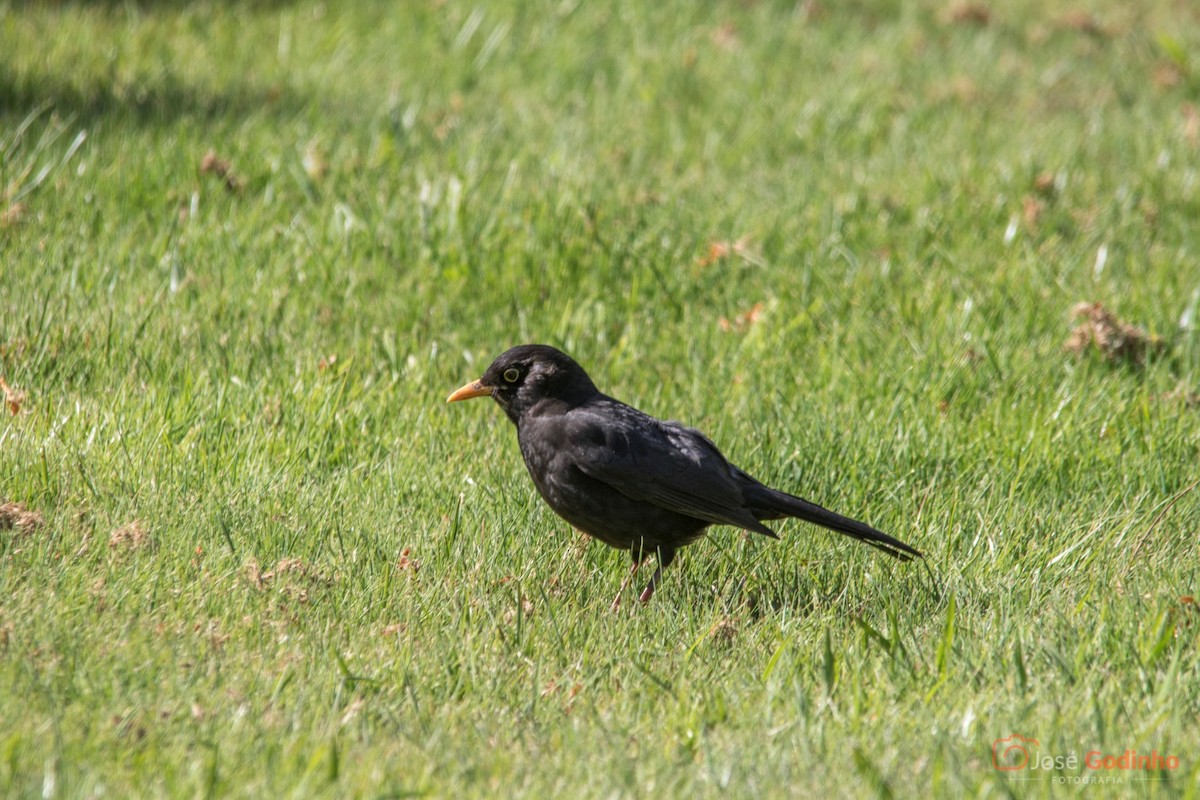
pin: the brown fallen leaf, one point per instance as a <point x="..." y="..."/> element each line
<point x="716" y="252"/>
<point x="407" y="562"/>
<point x="1186" y="614"/>
<point x="13" y="398"/>
<point x="743" y="321"/>
<point x="1031" y="211"/>
<point x="212" y="164"/>
<point x="569" y="701"/>
<point x="1116" y="339"/>
<point x="721" y="250"/>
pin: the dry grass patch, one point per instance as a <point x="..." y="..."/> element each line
<point x="1115" y="339"/>
<point x="131" y="537"/>
<point x="15" y="516"/>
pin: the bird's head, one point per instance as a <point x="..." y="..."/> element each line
<point x="526" y="375"/>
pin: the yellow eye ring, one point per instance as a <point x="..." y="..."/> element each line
<point x="511" y="374"/>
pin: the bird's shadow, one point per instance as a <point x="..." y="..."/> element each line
<point x="760" y="591"/>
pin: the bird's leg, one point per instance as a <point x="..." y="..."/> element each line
<point x="616" y="603"/>
<point x="648" y="592"/>
<point x="665" y="557"/>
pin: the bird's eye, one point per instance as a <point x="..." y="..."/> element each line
<point x="511" y="374"/>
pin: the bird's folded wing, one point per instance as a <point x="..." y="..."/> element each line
<point x="666" y="464"/>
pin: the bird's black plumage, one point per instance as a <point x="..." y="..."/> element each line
<point x="632" y="481"/>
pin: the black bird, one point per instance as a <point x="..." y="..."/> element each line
<point x="632" y="481"/>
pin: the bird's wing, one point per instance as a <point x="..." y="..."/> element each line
<point x="664" y="463"/>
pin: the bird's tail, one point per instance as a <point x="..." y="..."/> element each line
<point x="769" y="503"/>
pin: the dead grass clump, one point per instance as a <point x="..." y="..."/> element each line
<point x="293" y="578"/>
<point x="1116" y="339"/>
<point x="1084" y="22"/>
<point x="725" y="630"/>
<point x="131" y="537"/>
<point x="969" y="14"/>
<point x="13" y="215"/>
<point x="14" y="516"/>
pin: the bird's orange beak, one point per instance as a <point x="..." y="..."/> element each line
<point x="472" y="389"/>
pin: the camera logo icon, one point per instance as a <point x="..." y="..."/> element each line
<point x="1012" y="753"/>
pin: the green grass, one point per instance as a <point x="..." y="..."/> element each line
<point x="256" y="378"/>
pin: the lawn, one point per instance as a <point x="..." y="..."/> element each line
<point x="247" y="249"/>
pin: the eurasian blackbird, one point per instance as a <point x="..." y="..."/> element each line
<point x="632" y="481"/>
